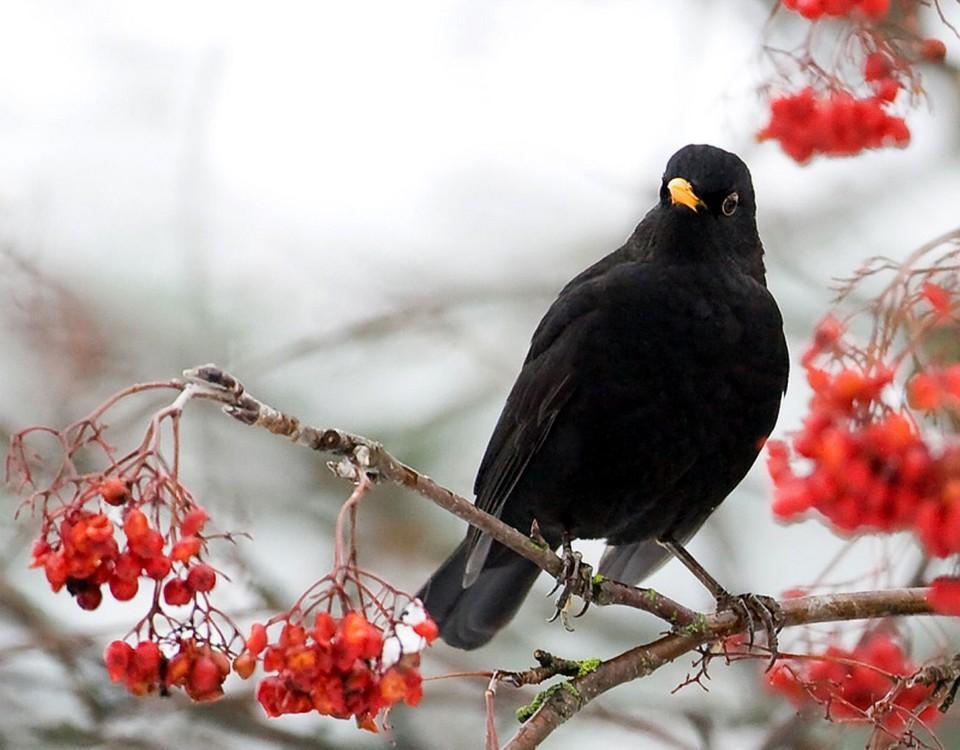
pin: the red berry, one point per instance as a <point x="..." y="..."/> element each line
<point x="393" y="687"/>
<point x="838" y="8"/>
<point x="201" y="577"/>
<point x="272" y="695"/>
<point x="135" y="523"/>
<point x="324" y="628"/>
<point x="810" y="9"/>
<point x="146" y="658"/>
<point x="244" y="665"/>
<point x="877" y="65"/>
<point x="38" y="553"/>
<point x="127" y="566"/>
<point x="96" y="530"/>
<point x="55" y="568"/>
<point x="179" y="667"/>
<point x="176" y="592"/>
<point x="360" y="634"/>
<point x="205" y="679"/>
<point x="937" y="296"/>
<point x="157" y="567"/>
<point x="148" y="544"/>
<point x="933" y="50"/>
<point x="89" y="597"/>
<point x="427" y="630"/>
<point x="117" y="656"/>
<point x="123" y="589"/>
<point x="944" y="596"/>
<point x="114" y="491"/>
<point x="193" y="522"/>
<point x="887" y="89"/>
<point x="186" y="548"/>
<point x="924" y="392"/>
<point x="257" y="640"/>
<point x="875" y="8"/>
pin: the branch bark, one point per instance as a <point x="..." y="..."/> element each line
<point x="212" y="383"/>
<point x="641" y="661"/>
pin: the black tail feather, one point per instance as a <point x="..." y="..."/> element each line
<point x="470" y="617"/>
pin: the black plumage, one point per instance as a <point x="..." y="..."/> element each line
<point x="649" y="388"/>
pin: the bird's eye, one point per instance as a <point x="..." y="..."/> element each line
<point x="730" y="204"/>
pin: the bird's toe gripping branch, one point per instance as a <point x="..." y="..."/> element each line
<point x="756" y="612"/>
<point x="575" y="578"/>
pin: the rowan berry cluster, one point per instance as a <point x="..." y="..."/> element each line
<point x="815" y="9"/>
<point x="130" y="527"/>
<point x="869" y="467"/>
<point x="858" y="684"/>
<point x="835" y="123"/>
<point x="199" y="669"/>
<point x="340" y="667"/>
<point x="829" y="110"/>
<point x="82" y="551"/>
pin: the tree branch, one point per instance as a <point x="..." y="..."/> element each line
<point x="643" y="660"/>
<point x="212" y="383"/>
<point x="691" y="630"/>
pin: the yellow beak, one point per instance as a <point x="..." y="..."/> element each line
<point x="681" y="192"/>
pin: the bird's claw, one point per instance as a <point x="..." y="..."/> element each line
<point x="576" y="578"/>
<point x="753" y="610"/>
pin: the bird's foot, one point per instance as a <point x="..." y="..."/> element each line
<point x="756" y="612"/>
<point x="576" y="578"/>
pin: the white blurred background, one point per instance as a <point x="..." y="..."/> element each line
<point x="362" y="209"/>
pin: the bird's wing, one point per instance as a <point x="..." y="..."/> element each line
<point x="544" y="386"/>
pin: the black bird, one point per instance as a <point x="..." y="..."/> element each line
<point x="648" y="391"/>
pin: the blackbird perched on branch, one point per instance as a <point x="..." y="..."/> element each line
<point x="648" y="391"/>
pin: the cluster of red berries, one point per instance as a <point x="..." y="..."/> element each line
<point x="814" y="9"/>
<point x="83" y="554"/>
<point x="836" y="123"/>
<point x="340" y="667"/>
<point x="83" y="557"/>
<point x="944" y="595"/>
<point x="199" y="670"/>
<point x="868" y="467"/>
<point x="852" y="685"/>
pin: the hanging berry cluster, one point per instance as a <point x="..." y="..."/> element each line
<point x="358" y="664"/>
<point x="82" y="553"/>
<point x="834" y="123"/>
<point x="877" y="451"/>
<point x="340" y="667"/>
<point x="130" y="527"/>
<point x="814" y="9"/>
<point x="847" y="109"/>
<point x="199" y="670"/>
<point x="865" y="684"/>
<point x="349" y="647"/>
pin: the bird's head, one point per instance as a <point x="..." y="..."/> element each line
<point x="708" y="194"/>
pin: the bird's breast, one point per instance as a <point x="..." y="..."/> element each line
<point x="704" y="348"/>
